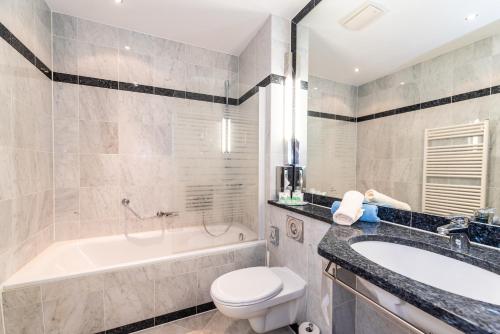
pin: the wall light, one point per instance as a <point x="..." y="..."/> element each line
<point x="226" y="135"/>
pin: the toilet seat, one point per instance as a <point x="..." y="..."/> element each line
<point x="246" y="287"/>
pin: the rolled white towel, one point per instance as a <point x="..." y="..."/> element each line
<point x="376" y="197"/>
<point x="350" y="209"/>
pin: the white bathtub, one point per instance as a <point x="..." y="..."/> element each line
<point x="69" y="259"/>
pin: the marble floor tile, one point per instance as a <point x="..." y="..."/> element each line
<point x="211" y="322"/>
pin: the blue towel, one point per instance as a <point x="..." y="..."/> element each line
<point x="370" y="213"/>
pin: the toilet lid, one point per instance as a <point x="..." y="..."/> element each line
<point x="246" y="286"/>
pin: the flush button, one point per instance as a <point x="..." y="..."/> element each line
<point x="295" y="229"/>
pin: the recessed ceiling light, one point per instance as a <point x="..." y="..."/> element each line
<point x="471" y="17"/>
<point x="356" y="70"/>
<point x="402" y="83"/>
<point x="127" y="47"/>
<point x="118" y="1"/>
<point x="315" y="88"/>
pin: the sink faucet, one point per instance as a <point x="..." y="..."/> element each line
<point x="457" y="230"/>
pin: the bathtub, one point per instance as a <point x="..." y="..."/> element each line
<point x="68" y="259"/>
<point x="125" y="282"/>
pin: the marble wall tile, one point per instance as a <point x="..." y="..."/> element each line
<point x="302" y="258"/>
<point x="66" y="170"/>
<point x="24" y="124"/>
<point x="170" y="73"/>
<point x="79" y="314"/>
<point x="42" y="44"/>
<point x="91" y="228"/>
<point x="137" y="42"/>
<point x="97" y="61"/>
<point x="124" y="304"/>
<point x="66" y="204"/>
<point x="146" y="170"/>
<point x="64" y="25"/>
<point x="136" y="68"/>
<point x="65" y="55"/>
<point x="22" y="310"/>
<point x="198" y="56"/>
<point x="98" y="137"/>
<point x="73" y="305"/>
<point x="7" y="173"/>
<point x="140" y="138"/>
<point x="27" y="319"/>
<point x="24" y="172"/>
<point x="65" y="101"/>
<point x="97" y="34"/>
<point x="97" y="104"/>
<point x="99" y="203"/>
<point x="66" y="136"/>
<point x="199" y="79"/>
<point x="175" y="293"/>
<point x="99" y="170"/>
<point x="5" y="225"/>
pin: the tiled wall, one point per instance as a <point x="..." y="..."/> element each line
<point x="150" y="294"/>
<point x="163" y="153"/>
<point x="303" y="259"/>
<point x="331" y="142"/>
<point x="265" y="53"/>
<point x="26" y="196"/>
<point x="390" y="149"/>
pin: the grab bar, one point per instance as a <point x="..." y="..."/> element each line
<point x="397" y="318"/>
<point x="159" y="214"/>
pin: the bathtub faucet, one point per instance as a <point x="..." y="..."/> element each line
<point x="167" y="214"/>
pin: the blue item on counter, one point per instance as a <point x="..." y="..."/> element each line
<point x="370" y="212"/>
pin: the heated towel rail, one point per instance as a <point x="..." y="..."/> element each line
<point x="455" y="169"/>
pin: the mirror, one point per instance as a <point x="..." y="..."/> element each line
<point x="403" y="99"/>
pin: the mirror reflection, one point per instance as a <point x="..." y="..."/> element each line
<point x="406" y="115"/>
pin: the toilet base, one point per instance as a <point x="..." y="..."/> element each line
<point x="276" y="317"/>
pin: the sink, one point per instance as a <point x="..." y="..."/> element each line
<point x="433" y="269"/>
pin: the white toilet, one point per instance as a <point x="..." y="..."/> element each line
<point x="267" y="297"/>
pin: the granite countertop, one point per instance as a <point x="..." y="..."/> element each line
<point x="465" y="314"/>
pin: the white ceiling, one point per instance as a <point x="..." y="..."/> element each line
<point x="222" y="25"/>
<point x="410" y="30"/>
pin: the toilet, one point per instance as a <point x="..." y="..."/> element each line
<point x="267" y="297"/>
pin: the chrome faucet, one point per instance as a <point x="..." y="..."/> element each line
<point x="457" y="230"/>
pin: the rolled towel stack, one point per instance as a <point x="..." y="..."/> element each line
<point x="370" y="212"/>
<point x="350" y="209"/>
<point x="379" y="198"/>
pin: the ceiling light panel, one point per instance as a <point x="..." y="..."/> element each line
<point x="363" y="16"/>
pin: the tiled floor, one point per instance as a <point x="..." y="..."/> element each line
<point x="212" y="322"/>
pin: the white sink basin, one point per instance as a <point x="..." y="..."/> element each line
<point x="433" y="269"/>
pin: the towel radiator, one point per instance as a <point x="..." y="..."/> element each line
<point x="455" y="169"/>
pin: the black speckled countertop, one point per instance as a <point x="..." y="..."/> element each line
<point x="465" y="314"/>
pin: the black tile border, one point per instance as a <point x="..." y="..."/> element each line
<point x="414" y="107"/>
<point x="15" y="43"/>
<point x="331" y="116"/>
<point x="160" y="320"/>
<point x="486" y="234"/>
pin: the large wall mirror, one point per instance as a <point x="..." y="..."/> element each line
<point x="403" y="98"/>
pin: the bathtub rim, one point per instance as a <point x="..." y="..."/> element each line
<point x="7" y="286"/>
